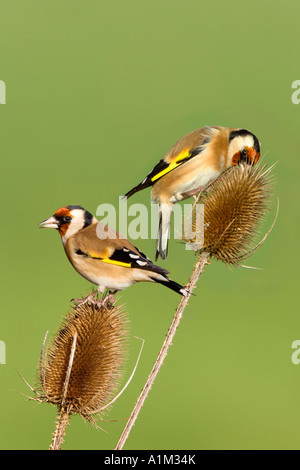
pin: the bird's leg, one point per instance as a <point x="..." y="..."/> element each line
<point x="106" y="300"/>
<point x="196" y="193"/>
<point x="109" y="299"/>
<point x="196" y="198"/>
<point x="89" y="297"/>
<point x="193" y="192"/>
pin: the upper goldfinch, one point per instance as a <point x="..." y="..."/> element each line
<point x="101" y="255"/>
<point x="193" y="163"/>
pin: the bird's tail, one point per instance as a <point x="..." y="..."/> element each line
<point x="164" y="218"/>
<point x="174" y="286"/>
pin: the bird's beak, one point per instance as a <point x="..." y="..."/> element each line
<point x="49" y="223"/>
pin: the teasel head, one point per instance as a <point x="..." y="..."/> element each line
<point x="234" y="206"/>
<point x="81" y="369"/>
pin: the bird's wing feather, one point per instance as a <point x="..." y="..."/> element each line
<point x="116" y="251"/>
<point x="185" y="149"/>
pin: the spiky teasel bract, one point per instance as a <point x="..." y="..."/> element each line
<point x="234" y="206"/>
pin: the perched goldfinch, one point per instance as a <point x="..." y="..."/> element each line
<point x="101" y="255"/>
<point x="193" y="163"/>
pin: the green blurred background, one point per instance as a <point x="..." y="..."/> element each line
<point x="97" y="92"/>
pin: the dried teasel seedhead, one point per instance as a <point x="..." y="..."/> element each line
<point x="234" y="207"/>
<point x="82" y="367"/>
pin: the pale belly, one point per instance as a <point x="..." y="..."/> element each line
<point x="105" y="276"/>
<point x="200" y="181"/>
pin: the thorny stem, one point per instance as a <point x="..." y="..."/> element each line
<point x="199" y="267"/>
<point x="60" y="430"/>
<point x="64" y="412"/>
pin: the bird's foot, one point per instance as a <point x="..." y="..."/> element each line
<point x="88" y="298"/>
<point x="109" y="299"/>
<point x="106" y="301"/>
<point x="195" y="193"/>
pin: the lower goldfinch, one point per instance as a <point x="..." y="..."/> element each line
<point x="191" y="165"/>
<point x="101" y="255"/>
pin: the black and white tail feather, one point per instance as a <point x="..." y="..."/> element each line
<point x="164" y="220"/>
<point x="141" y="261"/>
<point x="173" y="285"/>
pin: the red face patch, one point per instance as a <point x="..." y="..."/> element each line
<point x="236" y="158"/>
<point x="62" y="212"/>
<point x="252" y="156"/>
<point x="256" y="158"/>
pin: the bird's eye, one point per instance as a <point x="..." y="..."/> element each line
<point x="67" y="219"/>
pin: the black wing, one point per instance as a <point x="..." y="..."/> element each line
<point x="128" y="259"/>
<point x="136" y="260"/>
<point x="164" y="167"/>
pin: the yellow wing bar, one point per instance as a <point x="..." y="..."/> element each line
<point x="108" y="260"/>
<point x="116" y="263"/>
<point x="177" y="162"/>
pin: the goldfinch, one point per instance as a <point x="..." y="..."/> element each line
<point x="101" y="255"/>
<point x="190" y="166"/>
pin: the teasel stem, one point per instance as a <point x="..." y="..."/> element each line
<point x="199" y="268"/>
<point x="60" y="430"/>
<point x="64" y="412"/>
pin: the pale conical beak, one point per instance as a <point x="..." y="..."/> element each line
<point x="49" y="223"/>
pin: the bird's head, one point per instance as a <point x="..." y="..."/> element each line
<point x="244" y="147"/>
<point x="68" y="220"/>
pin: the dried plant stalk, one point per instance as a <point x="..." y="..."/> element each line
<point x="199" y="267"/>
<point x="60" y="430"/>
